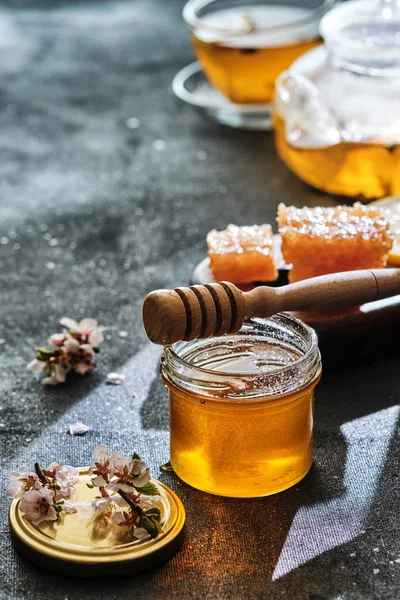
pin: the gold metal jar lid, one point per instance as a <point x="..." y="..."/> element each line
<point x="74" y="547"/>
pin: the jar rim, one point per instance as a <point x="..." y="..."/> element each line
<point x="308" y="364"/>
<point x="191" y="8"/>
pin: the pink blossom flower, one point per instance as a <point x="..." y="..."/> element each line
<point x="63" y="477"/>
<point x="21" y="483"/>
<point x="72" y="349"/>
<point x="129" y="520"/>
<point x="125" y="518"/>
<point x="57" y="339"/>
<point x="129" y="475"/>
<point x="38" y="506"/>
<point x="103" y="467"/>
<point x="87" y="330"/>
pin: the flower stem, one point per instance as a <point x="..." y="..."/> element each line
<point x="137" y="509"/>
<point x="40" y="474"/>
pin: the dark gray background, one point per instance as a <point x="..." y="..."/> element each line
<point x="127" y="219"/>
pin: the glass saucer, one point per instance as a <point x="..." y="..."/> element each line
<point x="191" y="86"/>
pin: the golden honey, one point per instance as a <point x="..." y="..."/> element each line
<point x="244" y="47"/>
<point x="347" y="168"/>
<point x="241" y="407"/>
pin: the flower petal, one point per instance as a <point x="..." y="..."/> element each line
<point x="136" y="466"/>
<point x="66" y="491"/>
<point x="29" y="500"/>
<point x="72" y="473"/>
<point x="87" y="324"/>
<point x="36" y="366"/>
<point x="69" y="323"/>
<point x="14" y="489"/>
<point x="96" y="337"/>
<point x="111" y="486"/>
<point x="54" y="466"/>
<point x="100" y="454"/>
<point x="52" y="380"/>
<point x="87" y="348"/>
<point x="47" y="494"/>
<point x="140" y="533"/>
<point x="61" y="373"/>
<point x="78" y="428"/>
<point x="118" y="517"/>
<point x="83" y="368"/>
<point x="32" y="514"/>
<point x="69" y="508"/>
<point x="51" y="515"/>
<point x="57" y="339"/>
<point x="101" y="505"/>
<point x="118" y="460"/>
<point x="124" y="487"/>
<point x="142" y="479"/>
<point x="99" y="481"/>
<point x="71" y="345"/>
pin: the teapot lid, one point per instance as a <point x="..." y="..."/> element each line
<point x="363" y="36"/>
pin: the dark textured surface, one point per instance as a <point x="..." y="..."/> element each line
<point x="128" y="218"/>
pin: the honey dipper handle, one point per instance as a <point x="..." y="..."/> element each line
<point x="328" y="292"/>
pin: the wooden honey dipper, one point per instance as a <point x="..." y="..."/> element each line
<point x="215" y="309"/>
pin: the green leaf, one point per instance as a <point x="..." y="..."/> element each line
<point x="90" y="486"/>
<point x="153" y="513"/>
<point x="43" y="354"/>
<point x="135" y="456"/>
<point x="152" y="526"/>
<point x="148" y="490"/>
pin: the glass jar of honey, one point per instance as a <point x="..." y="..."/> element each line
<point x="241" y="407"/>
<point x="337" y="111"/>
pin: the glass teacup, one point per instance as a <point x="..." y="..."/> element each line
<point x="243" y="46"/>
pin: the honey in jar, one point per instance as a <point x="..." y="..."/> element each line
<point x="241" y="407"/>
<point x="243" y="47"/>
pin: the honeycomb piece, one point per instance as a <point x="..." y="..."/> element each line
<point x="322" y="240"/>
<point x="242" y="254"/>
<point x="392" y="207"/>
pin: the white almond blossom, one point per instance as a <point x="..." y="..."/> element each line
<point x="86" y="328"/>
<point x="127" y="496"/>
<point x="21" y="483"/>
<point x="65" y="477"/>
<point x="73" y="349"/>
<point x="38" y="506"/>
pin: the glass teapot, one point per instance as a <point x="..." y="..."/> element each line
<point x="337" y="109"/>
